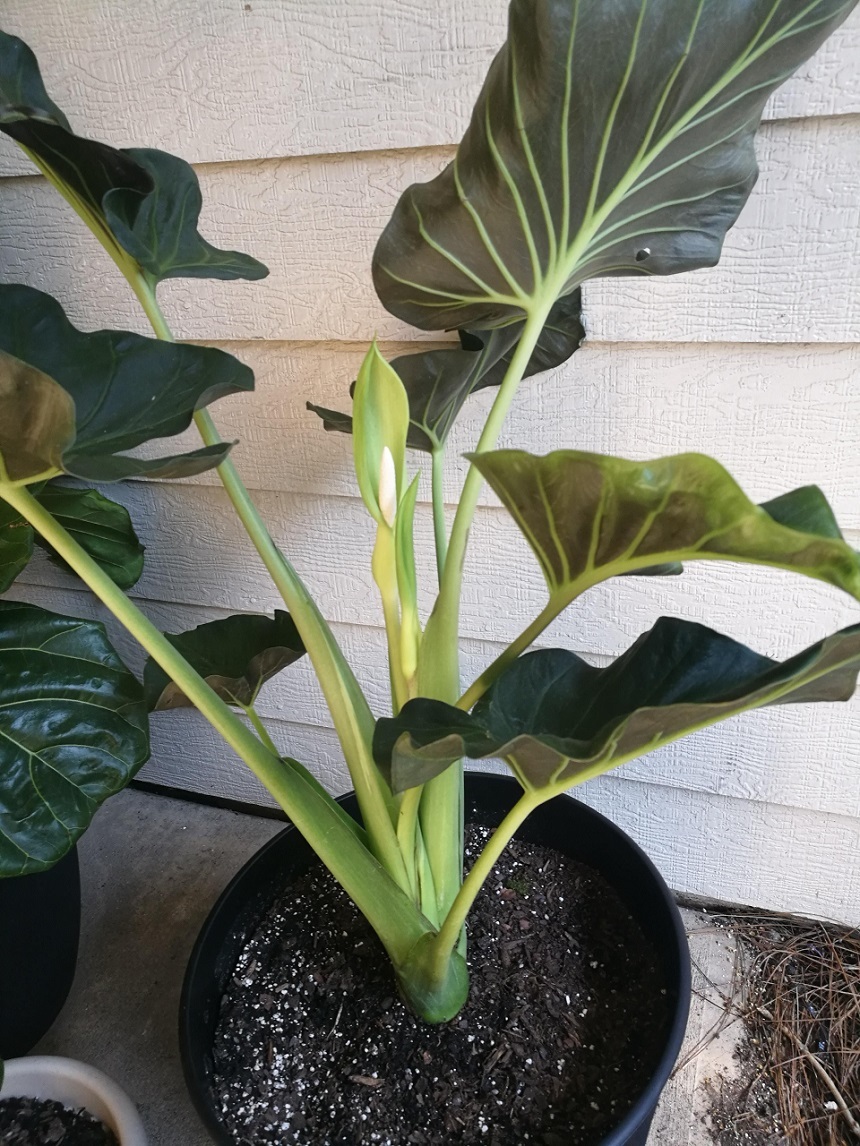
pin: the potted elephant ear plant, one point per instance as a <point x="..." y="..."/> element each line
<point x="611" y="137"/>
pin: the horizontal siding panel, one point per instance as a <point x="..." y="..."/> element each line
<point x="785" y="859"/>
<point x="776" y="416"/>
<point x="198" y="554"/>
<point x="230" y="81"/>
<point x="791" y="272"/>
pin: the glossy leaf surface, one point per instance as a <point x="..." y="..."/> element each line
<point x="588" y="517"/>
<point x="558" y="721"/>
<point x="611" y="137"/>
<point x="73" y="730"/>
<point x="146" y="203"/>
<point x="438" y="382"/>
<point x="236" y="656"/>
<point x="119" y="390"/>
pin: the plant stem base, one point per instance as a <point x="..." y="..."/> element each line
<point x="315" y="1033"/>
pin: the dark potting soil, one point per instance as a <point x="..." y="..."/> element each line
<point x="40" y="1122"/>
<point x="563" y="1027"/>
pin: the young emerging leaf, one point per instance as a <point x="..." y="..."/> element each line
<point x="589" y="517"/>
<point x="611" y="137"/>
<point x="73" y="730"/>
<point x="380" y="423"/>
<point x="143" y="203"/>
<point x="438" y="382"/>
<point x="236" y="656"/>
<point x="407" y="582"/>
<point x="75" y="402"/>
<point x="100" y="526"/>
<point x="558" y="721"/>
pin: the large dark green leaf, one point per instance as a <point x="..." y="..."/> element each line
<point x="121" y="389"/>
<point x="100" y="526"/>
<point x="16" y="545"/>
<point x="73" y="730"/>
<point x="159" y="230"/>
<point x="558" y="721"/>
<point x="145" y="203"/>
<point x="589" y="517"/>
<point x="103" y="528"/>
<point x="611" y="137"/>
<point x="236" y="656"/>
<point x="438" y="382"/>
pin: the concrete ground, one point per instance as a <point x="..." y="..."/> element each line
<point x="152" y="867"/>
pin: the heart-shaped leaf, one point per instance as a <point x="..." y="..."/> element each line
<point x="82" y="400"/>
<point x="611" y="137"/>
<point x="100" y="526"/>
<point x="438" y="382"/>
<point x="588" y="517"/>
<point x="144" y="203"/>
<point x="16" y="545"/>
<point x="559" y="721"/>
<point x="236" y="656"/>
<point x="73" y="730"/>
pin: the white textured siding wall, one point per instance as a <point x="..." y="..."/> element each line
<point x="305" y="121"/>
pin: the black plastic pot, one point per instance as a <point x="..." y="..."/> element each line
<point x="40" y="924"/>
<point x="564" y="824"/>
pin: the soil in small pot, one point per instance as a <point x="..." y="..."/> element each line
<point x="41" y="1122"/>
<point x="565" y="1022"/>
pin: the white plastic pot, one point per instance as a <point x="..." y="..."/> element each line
<point x="76" y="1085"/>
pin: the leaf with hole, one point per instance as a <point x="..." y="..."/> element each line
<point x="73" y="730"/>
<point x="76" y="402"/>
<point x="559" y="721"/>
<point x="611" y="137"/>
<point x="236" y="656"/>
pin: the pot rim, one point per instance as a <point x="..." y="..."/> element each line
<point x="75" y="1084"/>
<point x="678" y="964"/>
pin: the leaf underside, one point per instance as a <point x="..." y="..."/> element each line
<point x="73" y="731"/>
<point x="611" y="137"/>
<point x="558" y="721"/>
<point x="118" y="390"/>
<point x="236" y="656"/>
